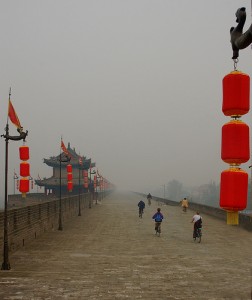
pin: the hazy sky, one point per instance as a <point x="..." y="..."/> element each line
<point x="136" y="85"/>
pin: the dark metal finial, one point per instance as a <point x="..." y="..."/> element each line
<point x="240" y="40"/>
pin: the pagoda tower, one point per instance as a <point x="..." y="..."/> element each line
<point x="52" y="184"/>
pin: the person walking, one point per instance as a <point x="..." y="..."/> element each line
<point x="184" y="204"/>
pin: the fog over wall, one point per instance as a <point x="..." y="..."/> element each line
<point x="135" y="85"/>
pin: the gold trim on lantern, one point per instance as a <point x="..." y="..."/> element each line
<point x="236" y="72"/>
<point x="232" y="218"/>
<point x="234" y="167"/>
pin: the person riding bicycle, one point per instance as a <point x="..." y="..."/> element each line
<point x="158" y="217"/>
<point x="184" y="204"/>
<point x="197" y="223"/>
<point x="141" y="206"/>
<point x="149" y="197"/>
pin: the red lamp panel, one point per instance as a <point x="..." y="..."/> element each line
<point x="24" y="169"/>
<point x="69" y="168"/>
<point x="70" y="186"/>
<point x="24" y="185"/>
<point x="24" y="153"/>
<point x="235" y="142"/>
<point x="233" y="189"/>
<point x="236" y="93"/>
<point x="69" y="176"/>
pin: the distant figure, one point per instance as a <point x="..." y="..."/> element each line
<point x="197" y="221"/>
<point x="141" y="206"/>
<point x="184" y="204"/>
<point x="158" y="217"/>
<point x="149" y="197"/>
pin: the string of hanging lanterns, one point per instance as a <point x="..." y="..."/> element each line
<point x="69" y="177"/>
<point x="85" y="175"/>
<point x="24" y="170"/>
<point x="235" y="148"/>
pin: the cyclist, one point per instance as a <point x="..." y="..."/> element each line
<point x="149" y="197"/>
<point x="158" y="217"/>
<point x="197" y="221"/>
<point x="184" y="204"/>
<point x="141" y="206"/>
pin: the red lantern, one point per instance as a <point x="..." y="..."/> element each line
<point x="24" y="186"/>
<point x="24" y="153"/>
<point x="24" y="169"/>
<point x="70" y="186"/>
<point x="234" y="189"/>
<point x="69" y="168"/>
<point x="236" y="93"/>
<point x="85" y="182"/>
<point x="235" y="142"/>
<point x="69" y="176"/>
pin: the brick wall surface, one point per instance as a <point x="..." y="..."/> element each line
<point x="27" y="223"/>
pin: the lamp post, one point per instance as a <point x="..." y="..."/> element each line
<point x="101" y="187"/>
<point x="15" y="177"/>
<point x="90" y="177"/>
<point x="80" y="168"/>
<point x="61" y="160"/>
<point x="98" y="183"/>
<point x="90" y="183"/>
<point x="22" y="136"/>
<point x="31" y="180"/>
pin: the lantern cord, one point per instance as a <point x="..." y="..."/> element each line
<point x="236" y="60"/>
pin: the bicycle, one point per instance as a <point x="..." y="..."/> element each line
<point x="197" y="234"/>
<point x="140" y="212"/>
<point x="158" y="228"/>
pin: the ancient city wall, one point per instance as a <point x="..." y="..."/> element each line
<point x="27" y="223"/>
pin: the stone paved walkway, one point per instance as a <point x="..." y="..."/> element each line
<point x="109" y="253"/>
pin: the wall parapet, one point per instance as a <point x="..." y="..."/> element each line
<point x="29" y="222"/>
<point x="245" y="220"/>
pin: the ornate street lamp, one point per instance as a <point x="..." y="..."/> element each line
<point x="22" y="136"/>
<point x="91" y="188"/>
<point x="61" y="160"/>
<point x="80" y="168"/>
<point x="235" y="133"/>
